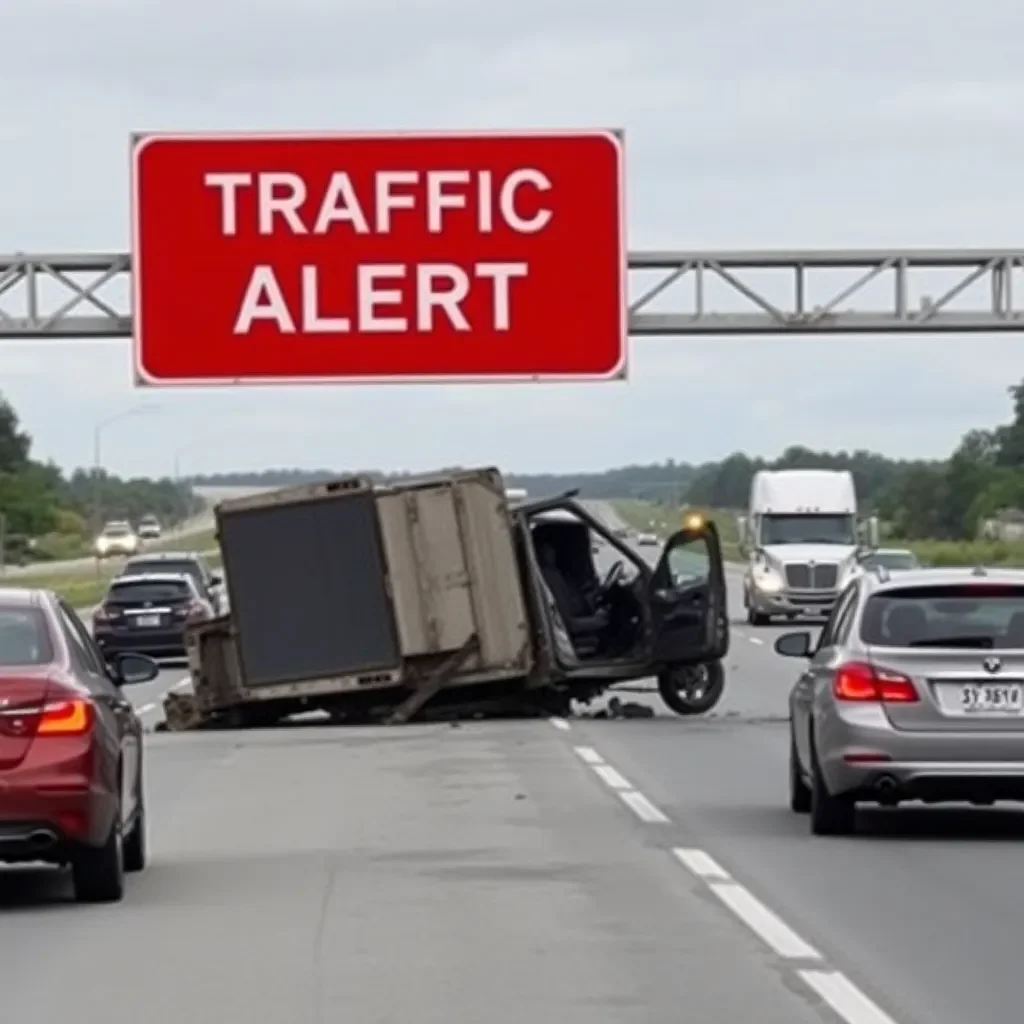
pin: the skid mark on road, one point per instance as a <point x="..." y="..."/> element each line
<point x="835" y="990"/>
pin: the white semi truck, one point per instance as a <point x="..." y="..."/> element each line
<point x="801" y="540"/>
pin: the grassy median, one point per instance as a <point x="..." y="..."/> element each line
<point x="85" y="586"/>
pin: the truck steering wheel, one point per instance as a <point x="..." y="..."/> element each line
<point x="615" y="574"/>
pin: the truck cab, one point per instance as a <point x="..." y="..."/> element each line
<point x="615" y="616"/>
<point x="801" y="541"/>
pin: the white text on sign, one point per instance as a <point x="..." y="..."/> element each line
<point x="283" y="203"/>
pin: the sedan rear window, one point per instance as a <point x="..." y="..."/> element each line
<point x="163" y="590"/>
<point x="982" y="615"/>
<point x="24" y="638"/>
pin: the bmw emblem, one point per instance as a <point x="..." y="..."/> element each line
<point x="992" y="665"/>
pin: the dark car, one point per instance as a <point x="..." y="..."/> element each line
<point x="70" y="747"/>
<point x="147" y="614"/>
<point x="210" y="584"/>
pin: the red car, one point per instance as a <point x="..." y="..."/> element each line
<point x="70" y="747"/>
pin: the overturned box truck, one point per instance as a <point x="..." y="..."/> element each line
<point x="438" y="595"/>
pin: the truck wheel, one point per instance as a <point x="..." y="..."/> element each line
<point x="692" y="689"/>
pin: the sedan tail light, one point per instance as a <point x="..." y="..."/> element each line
<point x="191" y="612"/>
<point x="860" y="682"/>
<point x="70" y="716"/>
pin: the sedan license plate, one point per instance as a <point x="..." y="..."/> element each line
<point x="147" y="620"/>
<point x="992" y="698"/>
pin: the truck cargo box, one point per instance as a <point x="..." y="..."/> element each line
<point x="342" y="586"/>
<point x="305" y="569"/>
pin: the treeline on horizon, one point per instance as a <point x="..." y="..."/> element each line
<point x="45" y="513"/>
<point x="943" y="499"/>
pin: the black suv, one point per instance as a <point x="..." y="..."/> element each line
<point x="189" y="563"/>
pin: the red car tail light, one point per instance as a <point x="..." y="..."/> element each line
<point x="68" y="717"/>
<point x="863" y="683"/>
<point x="71" y="717"/>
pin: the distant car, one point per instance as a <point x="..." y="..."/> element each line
<point x="210" y="584"/>
<point x="117" y="538"/>
<point x="149" y="528"/>
<point x="148" y="614"/>
<point x="647" y="540"/>
<point x="913" y="692"/>
<point x="71" y="757"/>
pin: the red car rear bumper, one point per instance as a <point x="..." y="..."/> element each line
<point x="47" y="809"/>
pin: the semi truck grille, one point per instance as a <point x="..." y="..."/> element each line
<point x="807" y="577"/>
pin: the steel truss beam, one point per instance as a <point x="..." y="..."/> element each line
<point x="927" y="291"/>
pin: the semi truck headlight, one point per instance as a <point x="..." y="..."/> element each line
<point x="768" y="581"/>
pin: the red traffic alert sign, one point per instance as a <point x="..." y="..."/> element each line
<point x="372" y="258"/>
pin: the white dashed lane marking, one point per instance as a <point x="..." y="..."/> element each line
<point x="611" y="777"/>
<point x="643" y="808"/>
<point x="848" y="1001"/>
<point x="834" y="989"/>
<point x="145" y="709"/>
<point x="765" y="923"/>
<point x="635" y="801"/>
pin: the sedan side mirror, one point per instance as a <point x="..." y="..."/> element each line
<point x="130" y="669"/>
<point x="794" y="645"/>
<point x="216" y="579"/>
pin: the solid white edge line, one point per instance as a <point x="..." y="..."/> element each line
<point x="558" y="723"/>
<point x="642" y="807"/>
<point x="765" y="923"/>
<point x="589" y="755"/>
<point x="702" y="864"/>
<point x="845" y="998"/>
<point x="611" y="777"/>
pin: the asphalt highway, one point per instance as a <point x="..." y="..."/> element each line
<point x="921" y="910"/>
<point x="594" y="871"/>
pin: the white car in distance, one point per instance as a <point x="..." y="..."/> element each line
<point x="149" y="528"/>
<point x="117" y="538"/>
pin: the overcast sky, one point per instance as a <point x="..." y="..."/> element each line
<point x="750" y="124"/>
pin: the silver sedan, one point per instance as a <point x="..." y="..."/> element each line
<point x="914" y="691"/>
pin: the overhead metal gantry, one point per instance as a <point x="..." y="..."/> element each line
<point x="877" y="291"/>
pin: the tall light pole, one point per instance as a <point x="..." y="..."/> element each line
<point x="97" y="457"/>
<point x="177" y="466"/>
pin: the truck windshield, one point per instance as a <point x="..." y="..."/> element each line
<point x="808" y="529"/>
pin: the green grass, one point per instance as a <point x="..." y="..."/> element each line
<point x="203" y="540"/>
<point x="645" y="516"/>
<point x="85" y="587"/>
<point x="963" y="552"/>
<point x="659" y="519"/>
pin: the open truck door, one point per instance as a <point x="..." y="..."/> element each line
<point x="689" y="618"/>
